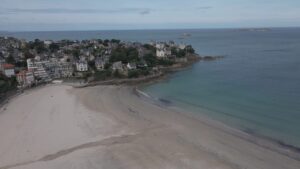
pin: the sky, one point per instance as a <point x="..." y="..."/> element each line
<point x="52" y="15"/>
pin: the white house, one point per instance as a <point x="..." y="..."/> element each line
<point x="8" y="70"/>
<point x="160" y="53"/>
<point x="31" y="64"/>
<point x="82" y="66"/>
<point x="39" y="69"/>
<point x="182" y="46"/>
<point x="117" y="66"/>
<point x="25" y="78"/>
<point x="66" y="69"/>
<point x="100" y="64"/>
<point x="131" y="66"/>
<point x="48" y="42"/>
<point x="163" y="53"/>
<point x="160" y="45"/>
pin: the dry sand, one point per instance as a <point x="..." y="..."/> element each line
<point x="110" y="127"/>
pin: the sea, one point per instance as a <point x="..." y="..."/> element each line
<point x="254" y="88"/>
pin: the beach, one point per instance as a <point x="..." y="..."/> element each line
<point x="116" y="127"/>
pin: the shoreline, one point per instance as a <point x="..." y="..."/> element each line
<point x="150" y="79"/>
<point x="263" y="141"/>
<point x="116" y="127"/>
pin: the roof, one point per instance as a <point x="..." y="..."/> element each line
<point x="8" y="66"/>
<point x="22" y="73"/>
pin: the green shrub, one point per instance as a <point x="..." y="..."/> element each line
<point x="133" y="74"/>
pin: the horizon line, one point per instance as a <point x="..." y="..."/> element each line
<point x="153" y="29"/>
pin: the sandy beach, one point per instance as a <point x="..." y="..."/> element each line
<point x="114" y="127"/>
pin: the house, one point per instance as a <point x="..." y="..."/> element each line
<point x="160" y="45"/>
<point x="8" y="70"/>
<point x="100" y="64"/>
<point x="168" y="51"/>
<point x="65" y="69"/>
<point x="163" y="53"/>
<point x="81" y="66"/>
<point x="39" y="69"/>
<point x="160" y="53"/>
<point x="131" y="66"/>
<point x="25" y="78"/>
<point x="142" y="51"/>
<point x="117" y="66"/>
<point x="41" y="74"/>
<point x="30" y="64"/>
<point x="48" y="42"/>
<point x="59" y="69"/>
<point x="182" y="46"/>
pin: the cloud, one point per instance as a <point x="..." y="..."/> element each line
<point x="142" y="11"/>
<point x="145" y="12"/>
<point x="204" y="7"/>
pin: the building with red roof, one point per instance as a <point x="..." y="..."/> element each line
<point x="8" y="69"/>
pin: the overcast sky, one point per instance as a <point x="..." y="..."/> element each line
<point x="27" y="15"/>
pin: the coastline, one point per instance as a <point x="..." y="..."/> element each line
<point x="145" y="80"/>
<point x="260" y="140"/>
<point x="116" y="127"/>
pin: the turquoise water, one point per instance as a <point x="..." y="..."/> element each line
<point x="255" y="88"/>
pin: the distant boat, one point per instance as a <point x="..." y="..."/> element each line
<point x="185" y="35"/>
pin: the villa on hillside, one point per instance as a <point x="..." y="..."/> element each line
<point x="117" y="66"/>
<point x="8" y="70"/>
<point x="163" y="53"/>
<point x="162" y="50"/>
<point x="131" y="66"/>
<point x="81" y="66"/>
<point x="100" y="63"/>
<point x="25" y="79"/>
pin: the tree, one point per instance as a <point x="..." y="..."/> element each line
<point x="7" y="84"/>
<point x="107" y="66"/>
<point x="132" y="55"/>
<point x="10" y="59"/>
<point x="105" y="42"/>
<point x="178" y="52"/>
<point x="165" y="62"/>
<point x="76" y="53"/>
<point x="92" y="65"/>
<point x="125" y="55"/>
<point x="21" y="64"/>
<point x="133" y="74"/>
<point x="54" y="47"/>
<point x="100" y="41"/>
<point x="150" y="60"/>
<point x="117" y="74"/>
<point x="150" y="47"/>
<point x="181" y="53"/>
<point x="115" y="41"/>
<point x="38" y="45"/>
<point x="190" y="49"/>
<point x="102" y="75"/>
<point x="28" y="55"/>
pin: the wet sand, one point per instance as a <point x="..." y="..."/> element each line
<point x="114" y="127"/>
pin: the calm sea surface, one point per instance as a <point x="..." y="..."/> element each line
<point x="255" y="88"/>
